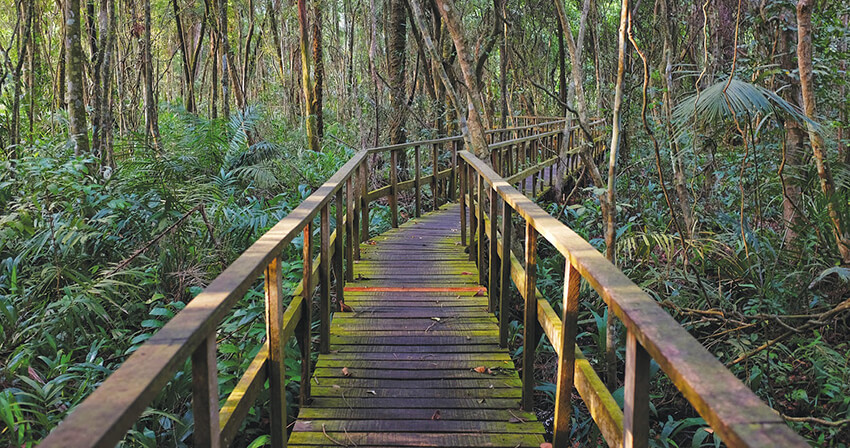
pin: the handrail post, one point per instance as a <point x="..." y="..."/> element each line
<point x="364" y="206"/>
<point x="305" y="324"/>
<point x="481" y="230"/>
<point x="276" y="366"/>
<point x="453" y="175"/>
<point x="462" y="171"/>
<point x="435" y="169"/>
<point x="566" y="362"/>
<point x="394" y="188"/>
<point x="417" y="181"/>
<point x="349" y="230"/>
<point x="324" y="281"/>
<point x="355" y="225"/>
<point x="505" y="286"/>
<point x="473" y="219"/>
<point x="636" y="397"/>
<point x="529" y="343"/>
<point x="493" y="271"/>
<point x="339" y="251"/>
<point x="205" y="394"/>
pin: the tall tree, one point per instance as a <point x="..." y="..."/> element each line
<point x="807" y="87"/>
<point x="76" y="103"/>
<point x="396" y="60"/>
<point x="151" y="113"/>
<point x="309" y="104"/>
<point x="25" y="15"/>
<point x="319" y="72"/>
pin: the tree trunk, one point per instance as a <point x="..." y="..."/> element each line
<point x="224" y="58"/>
<point x="794" y="134"/>
<point x="151" y="113"/>
<point x="309" y="104"/>
<point x="682" y="194"/>
<point x="107" y="30"/>
<point x="188" y="82"/>
<point x="319" y="72"/>
<point x="76" y="105"/>
<point x="804" y="61"/>
<point x="475" y="125"/>
<point x="396" y="60"/>
<point x="26" y="13"/>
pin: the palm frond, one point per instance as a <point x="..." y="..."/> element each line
<point x="745" y="99"/>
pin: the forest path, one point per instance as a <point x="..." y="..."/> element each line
<point x="417" y="361"/>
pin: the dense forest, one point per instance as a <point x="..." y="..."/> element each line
<point x="146" y="144"/>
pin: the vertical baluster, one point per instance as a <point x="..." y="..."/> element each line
<point x="473" y="220"/>
<point x="276" y="366"/>
<point x="493" y="270"/>
<point x="529" y="343"/>
<point x="355" y="225"/>
<point x="417" y="180"/>
<point x="394" y="187"/>
<point x="324" y="280"/>
<point x="463" y="181"/>
<point x="636" y="410"/>
<point x="453" y="175"/>
<point x="205" y="394"/>
<point x="566" y="363"/>
<point x="481" y="230"/>
<point x="349" y="229"/>
<point x="364" y="206"/>
<point x="304" y="327"/>
<point x="339" y="281"/>
<point x="505" y="285"/>
<point x="435" y="168"/>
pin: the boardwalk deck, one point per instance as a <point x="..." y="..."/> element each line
<point x="410" y="348"/>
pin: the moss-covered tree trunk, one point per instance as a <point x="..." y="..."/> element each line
<point x="76" y="104"/>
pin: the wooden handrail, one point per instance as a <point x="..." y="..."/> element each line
<point x="735" y="413"/>
<point x="191" y="334"/>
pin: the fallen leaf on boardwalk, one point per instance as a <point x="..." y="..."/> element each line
<point x="480" y="369"/>
<point x="481" y="292"/>
<point x="371" y="392"/>
<point x="466" y="273"/>
<point x="481" y="400"/>
<point x="436" y="415"/>
<point x="345" y="308"/>
<point x="345" y="372"/>
<point x="335" y="386"/>
<point x="371" y="243"/>
<point x="546" y="445"/>
<point x="514" y="420"/>
<point x="436" y="319"/>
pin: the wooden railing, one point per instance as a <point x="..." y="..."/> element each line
<point x="110" y="411"/>
<point x="735" y="414"/>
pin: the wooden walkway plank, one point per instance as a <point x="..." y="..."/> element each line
<point x="417" y="361"/>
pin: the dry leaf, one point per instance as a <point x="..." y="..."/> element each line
<point x="481" y="292"/>
<point x="371" y="392"/>
<point x="480" y="369"/>
<point x="466" y="273"/>
<point x="436" y="319"/>
<point x="514" y="420"/>
<point x="481" y="400"/>
<point x="335" y="386"/>
<point x="436" y="415"/>
<point x="345" y="372"/>
<point x="345" y="308"/>
<point x="546" y="445"/>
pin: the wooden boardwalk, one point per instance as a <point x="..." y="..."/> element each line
<point x="417" y="361"/>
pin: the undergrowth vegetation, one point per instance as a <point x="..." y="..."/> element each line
<point x="76" y="293"/>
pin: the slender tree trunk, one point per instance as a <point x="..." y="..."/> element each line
<point x="76" y="105"/>
<point x="278" y="49"/>
<point x="309" y="104"/>
<point x="562" y="71"/>
<point x="396" y="60"/>
<point x="475" y="124"/>
<point x="503" y="66"/>
<point x="794" y="133"/>
<point x="151" y="113"/>
<point x="26" y="13"/>
<point x="804" y="61"/>
<point x="319" y="72"/>
<point x="60" y="72"/>
<point x="188" y="82"/>
<point x="107" y="30"/>
<point x="682" y="193"/>
<point x="223" y="56"/>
